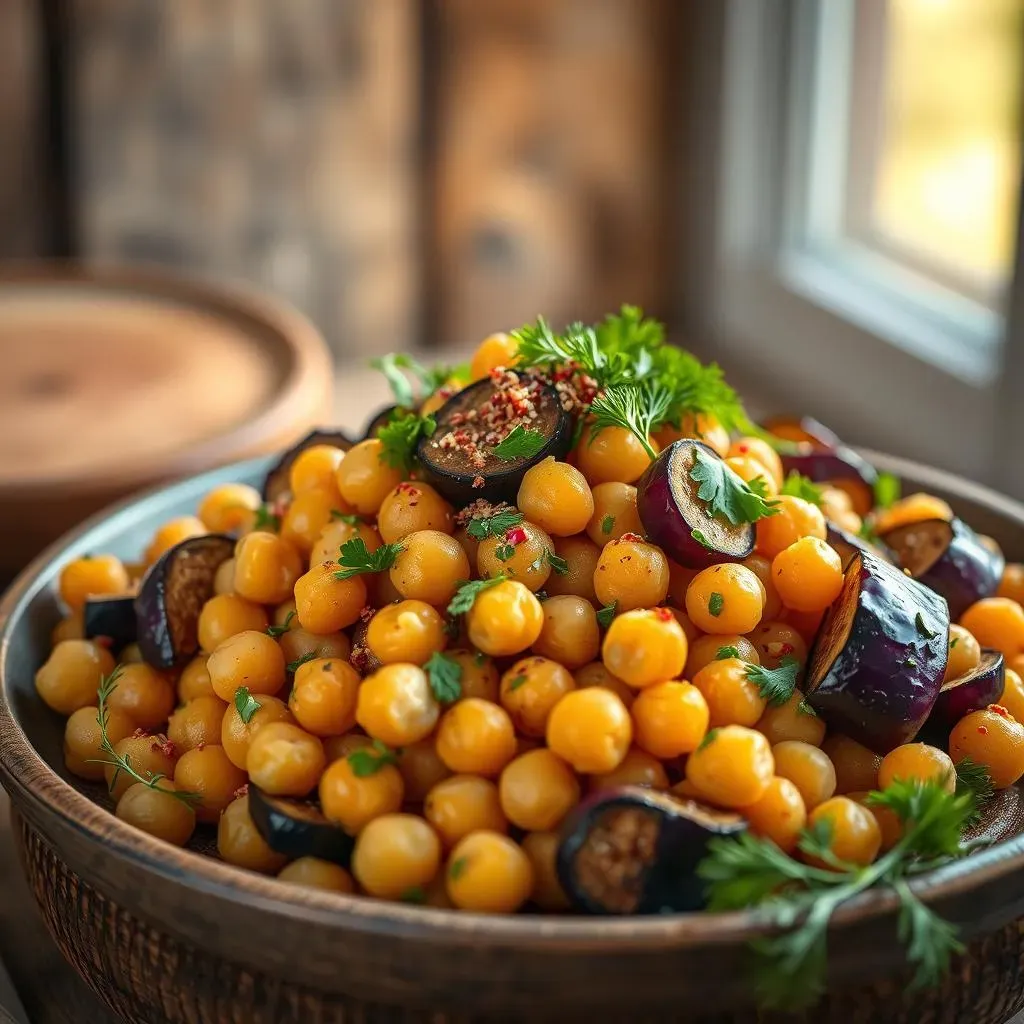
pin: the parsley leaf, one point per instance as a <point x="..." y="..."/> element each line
<point x="276" y="631"/>
<point x="266" y="520"/>
<point x="399" y="437"/>
<point x="726" y="494"/>
<point x="727" y="652"/>
<point x="607" y="524"/>
<point x="709" y="738"/>
<point x="516" y="682"/>
<point x="369" y="760"/>
<point x="467" y="593"/>
<point x="520" y="443"/>
<point x="776" y="685"/>
<point x="496" y="525"/>
<point x="356" y="559"/>
<point x="923" y="629"/>
<point x="798" y="486"/>
<point x="558" y="563"/>
<point x="457" y="867"/>
<point x="606" y="614"/>
<point x="345" y="517"/>
<point x="445" y="675"/>
<point x="504" y="551"/>
<point x="716" y="603"/>
<point x="887" y="490"/>
<point x="954" y="642"/>
<point x="246" y="704"/>
<point x="293" y="666"/>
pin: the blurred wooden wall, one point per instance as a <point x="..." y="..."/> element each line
<point x="403" y="171"/>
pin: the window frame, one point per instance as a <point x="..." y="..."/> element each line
<point x="802" y="325"/>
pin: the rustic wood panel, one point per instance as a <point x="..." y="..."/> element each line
<point x="552" y="159"/>
<point x="22" y="131"/>
<point x="272" y="140"/>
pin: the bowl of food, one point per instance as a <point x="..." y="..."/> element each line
<point x="565" y="693"/>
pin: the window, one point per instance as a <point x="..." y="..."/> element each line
<point x="868" y="177"/>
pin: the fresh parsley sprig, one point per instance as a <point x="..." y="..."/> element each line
<point x="495" y="525"/>
<point x="727" y="495"/>
<point x="799" y="899"/>
<point x="121" y="762"/>
<point x="400" y="436"/>
<point x="246" y="704"/>
<point x="368" y="761"/>
<point x="277" y="631"/>
<point x="799" y="486"/>
<point x="776" y="685"/>
<point x="639" y="408"/>
<point x="355" y="558"/>
<point x="469" y="591"/>
<point x="520" y="443"/>
<point x="445" y="676"/>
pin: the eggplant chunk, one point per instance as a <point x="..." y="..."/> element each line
<point x="677" y="519"/>
<point x="982" y="686"/>
<point x="459" y="457"/>
<point x="298" y="829"/>
<point x="634" y="851"/>
<point x="949" y="557"/>
<point x="276" y="485"/>
<point x="172" y="595"/>
<point x="877" y="664"/>
<point x="110" y="616"/>
<point x="839" y="467"/>
<point x="847" y="544"/>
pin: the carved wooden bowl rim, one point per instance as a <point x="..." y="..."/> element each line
<point x="41" y="793"/>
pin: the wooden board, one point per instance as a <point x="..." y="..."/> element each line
<point x="268" y="140"/>
<point x="551" y="160"/>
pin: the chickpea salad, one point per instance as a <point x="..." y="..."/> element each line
<point x="564" y="632"/>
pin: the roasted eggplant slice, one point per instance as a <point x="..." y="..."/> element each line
<point x="677" y="520"/>
<point x="877" y="664"/>
<point x="803" y="430"/>
<point x="113" y="617"/>
<point x="982" y="686"/>
<point x="839" y="467"/>
<point x="460" y="458"/>
<point x="847" y="544"/>
<point x="634" y="851"/>
<point x="381" y="419"/>
<point x="275" y="486"/>
<point x="172" y="595"/>
<point x="298" y="829"/>
<point x="949" y="557"/>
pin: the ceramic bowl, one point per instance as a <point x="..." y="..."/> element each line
<point x="168" y="936"/>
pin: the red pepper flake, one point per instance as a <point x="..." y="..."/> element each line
<point x="998" y="709"/>
<point x="359" y="658"/>
<point x="634" y="537"/>
<point x="411" y="489"/>
<point x="786" y="648"/>
<point x="139" y="732"/>
<point x="983" y="729"/>
<point x="166" y="747"/>
<point x="515" y="536"/>
<point x="103" y="641"/>
<point x="743" y="448"/>
<point x="366" y="613"/>
<point x="243" y="790"/>
<point x="201" y="746"/>
<point x="664" y="614"/>
<point x="478" y="482"/>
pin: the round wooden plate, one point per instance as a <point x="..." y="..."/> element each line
<point x="115" y="378"/>
<point x="168" y="936"/>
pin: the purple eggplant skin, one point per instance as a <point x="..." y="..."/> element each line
<point x="298" y="829"/>
<point x="950" y="558"/>
<point x="847" y="544"/>
<point x="276" y="485"/>
<point x="671" y="512"/>
<point x="172" y="595"/>
<point x="974" y="691"/>
<point x="451" y="474"/>
<point x="842" y="467"/>
<point x="877" y="664"/>
<point x="663" y="836"/>
<point x="112" y="617"/>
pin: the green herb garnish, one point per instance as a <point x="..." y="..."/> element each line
<point x="399" y="437"/>
<point x="276" y="631"/>
<point x="516" y="682"/>
<point x="607" y="524"/>
<point x="798" y="486"/>
<point x="504" y="551"/>
<point x="709" y="738"/>
<point x="445" y="675"/>
<point x="558" y="563"/>
<point x="246" y="704"/>
<point x="726" y="494"/>
<point x="727" y="652"/>
<point x="266" y="520"/>
<point x="716" y="603"/>
<point x="887" y="490"/>
<point x="699" y="537"/>
<point x="606" y="614"/>
<point x="923" y="629"/>
<point x="356" y="559"/>
<point x="345" y="517"/>
<point x="468" y="592"/>
<point x="974" y="780"/>
<point x="293" y="666"/>
<point x="369" y="760"/>
<point x="122" y="763"/>
<point x="799" y="899"/>
<point x="639" y="408"/>
<point x="776" y="685"/>
<point x="496" y="525"/>
<point x="520" y="443"/>
<point x="414" y="895"/>
<point x="458" y="866"/>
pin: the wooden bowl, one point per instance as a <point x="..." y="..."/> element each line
<point x="114" y="380"/>
<point x="166" y="935"/>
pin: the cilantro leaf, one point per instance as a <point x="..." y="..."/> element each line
<point x="356" y="559"/>
<point x="496" y="525"/>
<point x="504" y="551"/>
<point x="607" y="524"/>
<point x="416" y="894"/>
<point x="798" y="486"/>
<point x="887" y="490"/>
<point x="776" y="685"/>
<point x="726" y="494"/>
<point x="468" y="592"/>
<point x="716" y="603"/>
<point x="445" y="675"/>
<point x="520" y="443"/>
<point x="399" y="437"/>
<point x="246" y="704"/>
<point x="606" y="614"/>
<point x="369" y="760"/>
<point x="727" y="652"/>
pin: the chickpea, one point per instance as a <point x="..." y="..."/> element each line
<point x="412" y="508"/>
<point x="324" y="602"/>
<point x="70" y="678"/>
<point x="396" y="705"/>
<point x="248" y="659"/>
<point x="522" y="553"/>
<point x="266" y="568"/>
<point x="631" y="574"/>
<point x="505" y="619"/>
<point x="556" y="496"/>
<point x="570" y="633"/>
